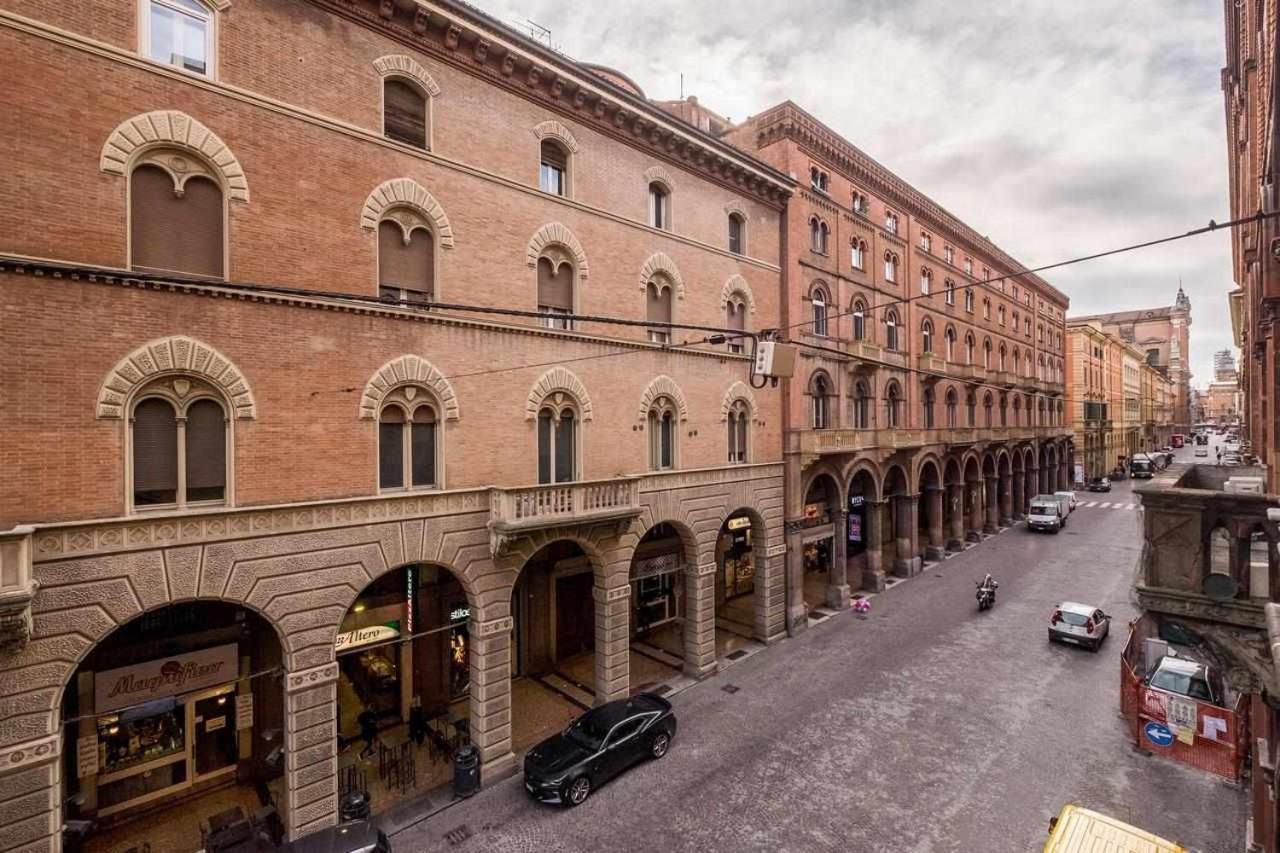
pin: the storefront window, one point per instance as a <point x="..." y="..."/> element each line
<point x="739" y="565"/>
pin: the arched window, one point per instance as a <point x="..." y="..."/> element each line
<point x="819" y="302"/>
<point x="658" y="308"/>
<point x="986" y="353"/>
<point x="737" y="234"/>
<point x="408" y="438"/>
<point x="662" y="434"/>
<point x="1017" y="410"/>
<point x="987" y="403"/>
<point x="1040" y="332"/>
<point x="739" y="419"/>
<point x="968" y="299"/>
<point x="176" y="223"/>
<point x="953" y="402"/>
<point x="820" y="390"/>
<point x="1027" y="323"/>
<point x="815" y="237"/>
<point x="555" y="292"/>
<point x="179" y="447"/>
<point x="1000" y="315"/>
<point x="1017" y="362"/>
<point x="1004" y="410"/>
<point x="926" y="337"/>
<point x="179" y="33"/>
<point x="404" y="112"/>
<point x="890" y="267"/>
<point x="950" y="335"/>
<point x="986" y="308"/>
<point x="926" y="242"/>
<point x="659" y="206"/>
<point x="861" y="405"/>
<point x="971" y="404"/>
<point x="893" y="406"/>
<point x="950" y="287"/>
<point x="891" y="330"/>
<point x="557" y="442"/>
<point x="926" y="281"/>
<point x="1003" y="353"/>
<point x="859" y="320"/>
<point x="857" y="253"/>
<point x="928" y="407"/>
<point x="553" y="171"/>
<point x="735" y="317"/>
<point x="406" y="260"/>
<point x="968" y="348"/>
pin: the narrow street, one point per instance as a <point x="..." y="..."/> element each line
<point x="925" y="727"/>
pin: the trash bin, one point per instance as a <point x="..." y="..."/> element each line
<point x="355" y="805"/>
<point x="466" y="771"/>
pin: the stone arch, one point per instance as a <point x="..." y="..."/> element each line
<point x="406" y="192"/>
<point x="558" y="380"/>
<point x="172" y="129"/>
<point x="737" y="284"/>
<point x="526" y="547"/>
<point x="733" y="207"/>
<point x="737" y="391"/>
<point x="924" y="460"/>
<point x="557" y="131"/>
<point x="666" y="509"/>
<point x="462" y="577"/>
<point x="174" y="355"/>
<point x="661" y="175"/>
<point x="953" y="471"/>
<point x="663" y="386"/>
<point x="832" y="474"/>
<point x="659" y="262"/>
<point x="894" y="476"/>
<point x="864" y="466"/>
<point x="554" y="233"/>
<point x="399" y="65"/>
<point x="408" y="370"/>
<point x="1003" y="460"/>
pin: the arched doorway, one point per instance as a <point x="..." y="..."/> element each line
<point x="973" y="500"/>
<point x="818" y="546"/>
<point x="900" y="522"/>
<point x="553" y="642"/>
<point x="953" y="505"/>
<point x="991" y="509"/>
<point x="658" y="604"/>
<point x="403" y="651"/>
<point x="172" y="719"/>
<point x="930" y="512"/>
<point x="739" y="588"/>
<point x="863" y="558"/>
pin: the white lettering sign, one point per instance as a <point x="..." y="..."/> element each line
<point x="87" y="756"/>
<point x="1182" y="713"/>
<point x="133" y="685"/>
<point x="244" y="710"/>
<point x="364" y="636"/>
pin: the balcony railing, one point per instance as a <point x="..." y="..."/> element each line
<point x="930" y="363"/>
<point x="959" y="435"/>
<point x="865" y="349"/>
<point x="1003" y="377"/>
<point x="903" y="438"/>
<point x="516" y="512"/>
<point x="969" y="371"/>
<point x="821" y="441"/>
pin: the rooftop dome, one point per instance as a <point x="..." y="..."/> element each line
<point x="615" y="77"/>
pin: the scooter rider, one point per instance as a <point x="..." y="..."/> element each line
<point x="991" y="585"/>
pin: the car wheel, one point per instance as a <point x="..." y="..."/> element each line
<point x="659" y="745"/>
<point x="578" y="791"/>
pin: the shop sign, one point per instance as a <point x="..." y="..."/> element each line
<point x="366" y="636"/>
<point x="855" y="528"/>
<point x="650" y="566"/>
<point x="244" y="710"/>
<point x="814" y="511"/>
<point x="87" y="756"/>
<point x="742" y="522"/>
<point x="133" y="685"/>
<point x="214" y="723"/>
<point x="457" y="614"/>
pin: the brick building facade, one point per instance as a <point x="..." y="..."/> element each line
<point x="249" y="435"/>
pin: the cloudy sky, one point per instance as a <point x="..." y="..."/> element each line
<point x="1057" y="129"/>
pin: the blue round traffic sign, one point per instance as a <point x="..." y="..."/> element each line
<point x="1158" y="733"/>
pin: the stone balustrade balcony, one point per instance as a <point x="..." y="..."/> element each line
<point x="865" y="350"/>
<point x="1003" y="378"/>
<point x="825" y="441"/>
<point x="17" y="588"/>
<point x="959" y="435"/>
<point x="929" y="363"/>
<point x="514" y="512"/>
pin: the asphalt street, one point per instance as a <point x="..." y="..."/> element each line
<point x="925" y="727"/>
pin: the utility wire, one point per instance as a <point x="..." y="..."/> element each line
<point x="1260" y="216"/>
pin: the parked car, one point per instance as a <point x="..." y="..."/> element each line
<point x="1099" y="484"/>
<point x="597" y="746"/>
<point x="359" y="836"/>
<point x="1047" y="512"/>
<point x="1070" y="498"/>
<point x="1080" y="624"/>
<point x="1183" y="676"/>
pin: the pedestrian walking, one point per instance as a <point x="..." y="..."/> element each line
<point x="368" y="731"/>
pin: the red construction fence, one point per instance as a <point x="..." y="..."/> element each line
<point x="1205" y="736"/>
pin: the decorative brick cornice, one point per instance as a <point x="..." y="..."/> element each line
<point x="407" y="66"/>
<point x="177" y="356"/>
<point x="558" y="380"/>
<point x="737" y="284"/>
<point x="737" y="391"/>
<point x="659" y="262"/>
<point x="556" y="233"/>
<point x="408" y="370"/>
<point x="556" y="130"/>
<point x="663" y="386"/>
<point x="171" y="128"/>
<point x="406" y="192"/>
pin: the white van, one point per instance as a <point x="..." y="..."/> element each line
<point x="1048" y="512"/>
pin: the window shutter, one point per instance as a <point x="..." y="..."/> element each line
<point x="172" y="234"/>
<point x="658" y="309"/>
<point x="423" y="441"/>
<point x="544" y="446"/>
<point x="391" y="449"/>
<point x="206" y="451"/>
<point x="555" y="290"/>
<point x="564" y="447"/>
<point x="404" y="114"/>
<point x="155" y="453"/>
<point x="553" y="155"/>
<point x="736" y="316"/>
<point x="411" y="266"/>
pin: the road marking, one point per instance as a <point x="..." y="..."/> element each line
<point x="1104" y="504"/>
<point x="1092" y="503"/>
<point x="1130" y="506"/>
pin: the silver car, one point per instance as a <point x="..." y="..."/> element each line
<point x="1079" y="624"/>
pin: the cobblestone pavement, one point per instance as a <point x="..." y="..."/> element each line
<point x="925" y="727"/>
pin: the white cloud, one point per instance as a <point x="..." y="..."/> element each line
<point x="1058" y="129"/>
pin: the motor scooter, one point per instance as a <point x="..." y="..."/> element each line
<point x="986" y="595"/>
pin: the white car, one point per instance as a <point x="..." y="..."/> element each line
<point x="1202" y="451"/>
<point x="1079" y="624"/>
<point x="1071" y="500"/>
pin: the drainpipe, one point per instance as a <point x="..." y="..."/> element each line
<point x="796" y="613"/>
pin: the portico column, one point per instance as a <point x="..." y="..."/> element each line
<point x="311" y="748"/>
<point x="613" y="641"/>
<point x="993" y="510"/>
<point x="700" y="619"/>
<point x="1065" y="475"/>
<point x="905" y="534"/>
<point x="31" y="780"/>
<point x="1019" y="501"/>
<point x="955" y="500"/>
<point x="489" y="694"/>
<point x="837" y="578"/>
<point x="1033" y="486"/>
<point x="873" y="574"/>
<point x="937" y="544"/>
<point x="1006" y="499"/>
<point x="975" y="511"/>
<point x="797" y="614"/>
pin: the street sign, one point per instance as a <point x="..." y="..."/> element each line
<point x="1158" y="734"/>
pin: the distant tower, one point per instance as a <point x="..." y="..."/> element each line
<point x="1182" y="302"/>
<point x="1224" y="366"/>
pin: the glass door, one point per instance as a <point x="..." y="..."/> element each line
<point x="213" y="732"/>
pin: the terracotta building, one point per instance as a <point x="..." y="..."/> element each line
<point x="927" y="405"/>
<point x="271" y="489"/>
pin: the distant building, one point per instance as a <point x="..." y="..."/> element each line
<point x="1224" y="366"/>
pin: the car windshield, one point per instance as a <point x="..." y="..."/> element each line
<point x="1074" y="618"/>
<point x="588" y="731"/>
<point x="1178" y="682"/>
<point x="1044" y="509"/>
